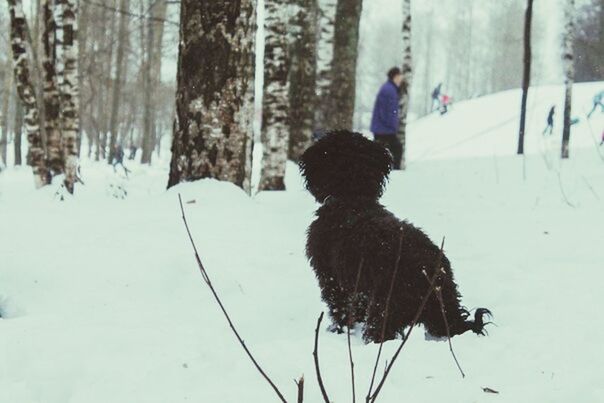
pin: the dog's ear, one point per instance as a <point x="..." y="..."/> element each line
<point x="345" y="165"/>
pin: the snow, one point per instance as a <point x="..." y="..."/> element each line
<point x="102" y="300"/>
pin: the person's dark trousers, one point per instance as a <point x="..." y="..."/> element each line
<point x="393" y="144"/>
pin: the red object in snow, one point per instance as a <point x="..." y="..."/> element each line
<point x="445" y="99"/>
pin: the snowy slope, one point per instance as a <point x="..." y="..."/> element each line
<point x="102" y="300"/>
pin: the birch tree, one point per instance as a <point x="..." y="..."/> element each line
<point x="344" y="63"/>
<point x="118" y="82"/>
<point x="325" y="36"/>
<point x="6" y="95"/>
<point x="70" y="92"/>
<point x="18" y="130"/>
<point x="526" y="76"/>
<point x="569" y="71"/>
<point x="302" y="76"/>
<point x="148" y="87"/>
<point x="214" y="99"/>
<point x="50" y="93"/>
<point x="27" y="93"/>
<point x="407" y="72"/>
<point x="158" y="13"/>
<point x="275" y="103"/>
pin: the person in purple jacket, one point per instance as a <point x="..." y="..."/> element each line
<point x="385" y="120"/>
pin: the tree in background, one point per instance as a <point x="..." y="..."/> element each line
<point x="18" y="130"/>
<point x="302" y="76"/>
<point x="70" y="91"/>
<point x="214" y="98"/>
<point x="7" y="86"/>
<point x="569" y="72"/>
<point x="325" y="36"/>
<point x="21" y="52"/>
<point x="51" y="95"/>
<point x="119" y="79"/>
<point x="526" y="76"/>
<point x="275" y="100"/>
<point x="407" y="72"/>
<point x="589" y="42"/>
<point x="151" y="75"/>
<point x="344" y="64"/>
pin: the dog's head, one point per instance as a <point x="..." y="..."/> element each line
<point x="345" y="165"/>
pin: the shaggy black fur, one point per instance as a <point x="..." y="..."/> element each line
<point x="347" y="173"/>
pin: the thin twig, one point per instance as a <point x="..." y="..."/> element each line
<point x="300" y="384"/>
<point x="563" y="192"/>
<point x="315" y="354"/>
<point x="437" y="272"/>
<point x="386" y="311"/>
<point x="442" y="310"/>
<point x="206" y="279"/>
<point x="351" y="320"/>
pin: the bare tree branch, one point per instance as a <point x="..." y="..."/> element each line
<point x="442" y="310"/>
<point x="206" y="279"/>
<point x="315" y="354"/>
<point x="300" y="384"/>
<point x="351" y="320"/>
<point x="437" y="272"/>
<point x="394" y="273"/>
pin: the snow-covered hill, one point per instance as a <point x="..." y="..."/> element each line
<point x="102" y="300"/>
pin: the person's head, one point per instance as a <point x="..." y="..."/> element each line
<point x="395" y="75"/>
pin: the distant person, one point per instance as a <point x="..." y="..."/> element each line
<point x="597" y="101"/>
<point x="133" y="150"/>
<point x="436" y="97"/>
<point x="445" y="101"/>
<point x="385" y="119"/>
<point x="550" y="121"/>
<point x="602" y="141"/>
<point x="118" y="158"/>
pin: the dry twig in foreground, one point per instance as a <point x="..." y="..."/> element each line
<point x="206" y="279"/>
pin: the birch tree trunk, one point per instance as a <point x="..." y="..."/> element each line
<point x="159" y="13"/>
<point x="27" y="93"/>
<point x="275" y="102"/>
<point x="407" y="71"/>
<point x="83" y="23"/>
<point x="344" y="64"/>
<point x="18" y="129"/>
<point x="6" y="96"/>
<point x="118" y="82"/>
<point x="50" y="94"/>
<point x="325" y="38"/>
<point x="214" y="98"/>
<point x="302" y="77"/>
<point x="526" y="77"/>
<point x="152" y="75"/>
<point x="569" y="72"/>
<point x="148" y="85"/>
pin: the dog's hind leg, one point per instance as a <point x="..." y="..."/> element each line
<point x="337" y="301"/>
<point x="457" y="317"/>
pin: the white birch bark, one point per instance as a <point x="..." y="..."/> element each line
<point x="302" y="76"/>
<point x="214" y="99"/>
<point x="275" y="104"/>
<point x="569" y="72"/>
<point x="325" y="35"/>
<point x="70" y="93"/>
<point x="407" y="71"/>
<point x="21" y="50"/>
<point x="6" y="95"/>
<point x="50" y="93"/>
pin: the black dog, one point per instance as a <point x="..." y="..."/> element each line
<point x="355" y="245"/>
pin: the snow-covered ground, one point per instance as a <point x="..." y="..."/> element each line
<point x="102" y="300"/>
